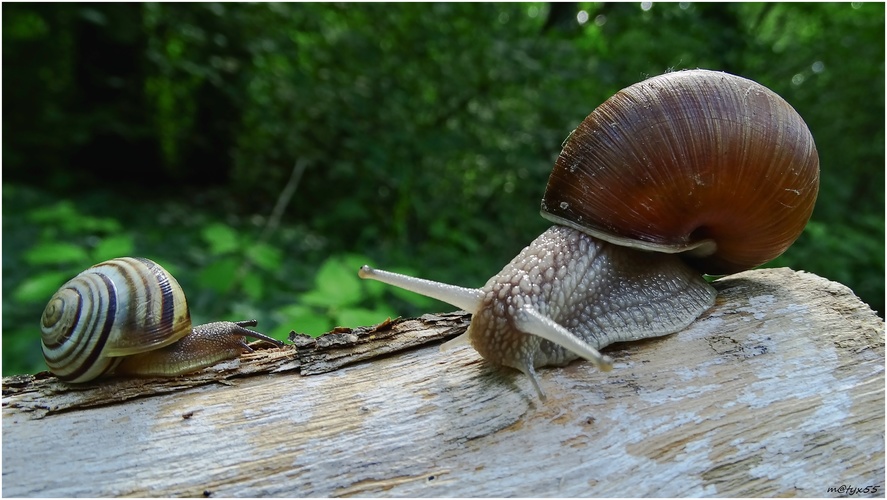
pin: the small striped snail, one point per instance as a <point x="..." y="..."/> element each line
<point x="128" y="316"/>
<point x="684" y="173"/>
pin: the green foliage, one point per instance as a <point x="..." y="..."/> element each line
<point x="69" y="241"/>
<point x="226" y="273"/>
<point x="338" y="298"/>
<point x="427" y="132"/>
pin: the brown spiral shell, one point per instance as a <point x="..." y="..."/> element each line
<point x="696" y="161"/>
<point x="116" y="308"/>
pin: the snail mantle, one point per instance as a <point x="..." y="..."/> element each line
<point x="777" y="390"/>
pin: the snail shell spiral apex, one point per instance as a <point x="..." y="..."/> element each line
<point x="694" y="161"/>
<point x="117" y="308"/>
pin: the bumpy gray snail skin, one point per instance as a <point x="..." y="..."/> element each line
<point x="682" y="174"/>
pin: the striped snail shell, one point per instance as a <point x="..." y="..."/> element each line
<point x="685" y="173"/>
<point x="130" y="316"/>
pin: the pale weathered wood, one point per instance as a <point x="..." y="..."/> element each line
<point x="778" y="390"/>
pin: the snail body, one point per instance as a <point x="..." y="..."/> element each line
<point x="130" y="316"/>
<point x="682" y="174"/>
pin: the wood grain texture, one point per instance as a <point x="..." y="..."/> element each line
<point x="778" y="390"/>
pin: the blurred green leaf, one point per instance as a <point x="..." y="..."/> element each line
<point x="336" y="285"/>
<point x="353" y="261"/>
<point x="40" y="287"/>
<point x="265" y="256"/>
<point x="371" y="289"/>
<point x="219" y="275"/>
<point x="65" y="216"/>
<point x="300" y="319"/>
<point x="354" y="317"/>
<point x="21" y="349"/>
<point x="220" y="238"/>
<point x="253" y="286"/>
<point x="120" y="245"/>
<point x="55" y="252"/>
<point x="375" y="290"/>
<point x="62" y="211"/>
<point x="315" y="297"/>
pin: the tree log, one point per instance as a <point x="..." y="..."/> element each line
<point x="777" y="390"/>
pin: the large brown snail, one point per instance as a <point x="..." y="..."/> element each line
<point x="129" y="316"/>
<point x="685" y="173"/>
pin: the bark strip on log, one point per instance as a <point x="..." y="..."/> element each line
<point x="43" y="394"/>
<point x="777" y="390"/>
